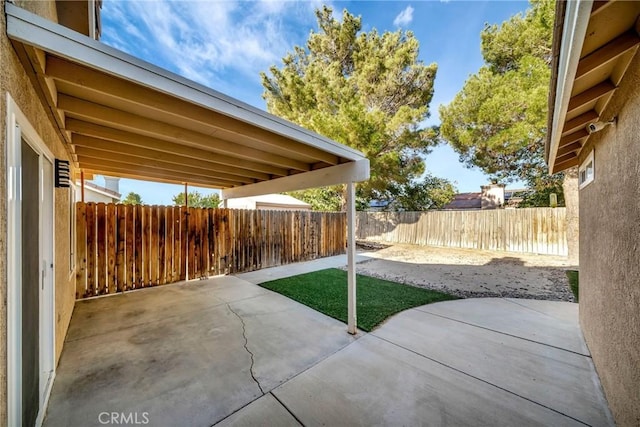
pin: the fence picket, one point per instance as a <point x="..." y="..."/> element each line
<point x="110" y="230"/>
<point x="81" y="250"/>
<point x="121" y="249"/>
<point x="101" y="249"/>
<point x="129" y="255"/>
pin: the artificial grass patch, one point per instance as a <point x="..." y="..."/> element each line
<point x="377" y="299"/>
<point x="573" y="282"/>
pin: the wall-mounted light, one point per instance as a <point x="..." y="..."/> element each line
<point x="598" y="126"/>
<point x="62" y="174"/>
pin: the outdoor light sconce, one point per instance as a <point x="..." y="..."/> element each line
<point x="62" y="174"/>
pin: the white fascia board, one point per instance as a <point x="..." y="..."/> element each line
<point x="576" y="21"/>
<point x="25" y="27"/>
<point x="334" y="175"/>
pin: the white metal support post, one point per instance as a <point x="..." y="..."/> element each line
<point x="351" y="258"/>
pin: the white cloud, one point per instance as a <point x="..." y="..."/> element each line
<point x="203" y="41"/>
<point x="404" y="18"/>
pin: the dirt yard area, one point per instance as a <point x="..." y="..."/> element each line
<point x="470" y="273"/>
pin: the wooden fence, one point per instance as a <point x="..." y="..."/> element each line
<point x="123" y="247"/>
<point x="531" y="230"/>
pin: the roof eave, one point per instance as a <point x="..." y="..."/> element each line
<point x="573" y="29"/>
<point x="555" y="54"/>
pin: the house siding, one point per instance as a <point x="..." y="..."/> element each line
<point x="15" y="81"/>
<point x="610" y="252"/>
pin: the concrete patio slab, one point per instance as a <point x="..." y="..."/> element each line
<point x="376" y="383"/>
<point x="504" y="316"/>
<point x="564" y="312"/>
<point x="558" y="379"/>
<point x="113" y="312"/>
<point x="185" y="355"/>
<point x="190" y="368"/>
<point x="286" y="337"/>
<point x="225" y="350"/>
<point x="266" y="411"/>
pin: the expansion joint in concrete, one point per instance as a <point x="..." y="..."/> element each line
<point x="246" y="347"/>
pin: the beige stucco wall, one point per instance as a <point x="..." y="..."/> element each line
<point x="610" y="252"/>
<point x="14" y="80"/>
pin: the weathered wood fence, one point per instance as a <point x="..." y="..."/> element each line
<point x="530" y="230"/>
<point x="124" y="247"/>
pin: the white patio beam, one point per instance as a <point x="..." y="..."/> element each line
<point x="345" y="173"/>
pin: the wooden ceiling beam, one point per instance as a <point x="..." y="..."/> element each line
<point x="87" y="176"/>
<point x="84" y="77"/>
<point x="573" y="137"/>
<point x="599" y="6"/>
<point x="85" y="152"/>
<point x="128" y="174"/>
<point x="118" y="149"/>
<point x="103" y="132"/>
<point x="570" y="148"/>
<point x="143" y="173"/>
<point x="590" y="95"/>
<point x="580" y="122"/>
<point x="110" y="117"/>
<point x="559" y="167"/>
<point x="607" y="53"/>
<point x="565" y="157"/>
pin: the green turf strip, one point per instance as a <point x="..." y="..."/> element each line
<point x="326" y="291"/>
<point x="573" y="282"/>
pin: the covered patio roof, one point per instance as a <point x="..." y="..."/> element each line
<point x="125" y="117"/>
<point x="594" y="43"/>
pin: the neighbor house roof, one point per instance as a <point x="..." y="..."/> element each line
<point x="125" y="117"/>
<point x="594" y="43"/>
<point x="465" y="201"/>
<point x="276" y="200"/>
<point x="101" y="190"/>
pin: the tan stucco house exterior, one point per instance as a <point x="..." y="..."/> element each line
<point x="594" y="124"/>
<point x="66" y="97"/>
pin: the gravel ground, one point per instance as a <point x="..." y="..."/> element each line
<point x="468" y="272"/>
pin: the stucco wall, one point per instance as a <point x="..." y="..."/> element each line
<point x="14" y="80"/>
<point x="610" y="252"/>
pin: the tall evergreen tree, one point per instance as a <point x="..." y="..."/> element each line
<point x="498" y="121"/>
<point x="363" y="89"/>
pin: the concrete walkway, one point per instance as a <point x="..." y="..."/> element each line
<point x="226" y="351"/>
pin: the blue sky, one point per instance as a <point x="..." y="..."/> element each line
<point x="225" y="45"/>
